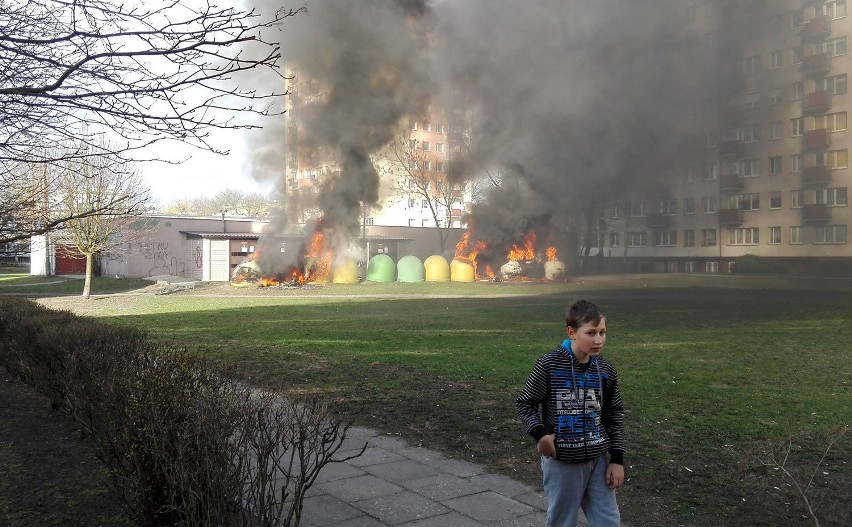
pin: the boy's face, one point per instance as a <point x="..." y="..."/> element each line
<point x="588" y="340"/>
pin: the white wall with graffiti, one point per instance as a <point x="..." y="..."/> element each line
<point x="176" y="246"/>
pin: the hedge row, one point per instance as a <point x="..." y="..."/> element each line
<point x="185" y="444"/>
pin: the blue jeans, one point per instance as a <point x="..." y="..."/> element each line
<point x="570" y="486"/>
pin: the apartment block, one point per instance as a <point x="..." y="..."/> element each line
<point x="763" y="167"/>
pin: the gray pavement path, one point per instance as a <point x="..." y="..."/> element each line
<point x="394" y="484"/>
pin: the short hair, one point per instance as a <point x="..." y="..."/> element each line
<point x="582" y="311"/>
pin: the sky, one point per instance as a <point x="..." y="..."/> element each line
<point x="203" y="173"/>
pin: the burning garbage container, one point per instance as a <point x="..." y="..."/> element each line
<point x="346" y="271"/>
<point x="380" y="269"/>
<point x="409" y="269"/>
<point x="437" y="269"/>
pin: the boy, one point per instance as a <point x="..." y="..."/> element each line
<point x="581" y="420"/>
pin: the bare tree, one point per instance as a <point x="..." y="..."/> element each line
<point x="115" y="195"/>
<point x="229" y="201"/>
<point x="71" y="72"/>
<point x="420" y="175"/>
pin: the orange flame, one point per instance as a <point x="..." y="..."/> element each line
<point x="525" y="253"/>
<point x="466" y="251"/>
<point x="317" y="264"/>
<point x="552" y="254"/>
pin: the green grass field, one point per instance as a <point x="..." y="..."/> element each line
<point x="712" y="368"/>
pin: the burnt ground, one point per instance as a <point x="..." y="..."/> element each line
<point x="49" y="474"/>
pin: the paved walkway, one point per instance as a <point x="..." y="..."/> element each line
<point x="395" y="484"/>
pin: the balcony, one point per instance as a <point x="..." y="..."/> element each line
<point x="817" y="102"/>
<point x="817" y="139"/>
<point x="819" y="64"/>
<point x="731" y="148"/>
<point x="657" y="219"/>
<point x="816" y="176"/>
<point x="816" y="212"/>
<point x="730" y="216"/>
<point x="816" y="29"/>
<point x="731" y="182"/>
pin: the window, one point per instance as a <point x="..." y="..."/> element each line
<point x="775" y="96"/>
<point x="797" y="126"/>
<point x="689" y="238"/>
<point x="775" y="165"/>
<point x="833" y="197"/>
<point x="834" y="9"/>
<point x="775" y="60"/>
<point x="412" y="125"/>
<point x="833" y="158"/>
<point x="833" y="122"/>
<point x="745" y="236"/>
<point x="689" y="205"/>
<point x="424" y="223"/>
<point x="412" y="222"/>
<point x="411" y="184"/>
<point x="751" y="64"/>
<point x="424" y="204"/>
<point x="774" y="235"/>
<point x="412" y="165"/>
<point x="833" y="48"/>
<point x="439" y="166"/>
<point x="797" y="199"/>
<point x="708" y="237"/>
<point x="708" y="204"/>
<point x="835" y="85"/>
<point x="798" y="17"/>
<point x="427" y="165"/>
<point x="744" y="201"/>
<point x="426" y="146"/>
<point x="797" y="54"/>
<point x="411" y="203"/>
<point x="614" y="239"/>
<point x="615" y="211"/>
<point x="830" y="234"/>
<point x="796" y="235"/>
<point x="795" y="162"/>
<point x="439" y="147"/>
<point x="369" y="221"/>
<point x="711" y="267"/>
<point x="774" y="200"/>
<point x="637" y="209"/>
<point x="665" y="238"/>
<point x="734" y="168"/>
<point x="751" y="168"/>
<point x="798" y="90"/>
<point x="776" y="130"/>
<point x="637" y="239"/>
<point x="711" y="172"/>
<point x="427" y="127"/>
<point x="668" y="207"/>
<point x="691" y="174"/>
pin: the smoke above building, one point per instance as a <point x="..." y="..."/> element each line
<point x="573" y="103"/>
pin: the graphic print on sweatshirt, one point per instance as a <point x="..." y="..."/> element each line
<point x="578" y="408"/>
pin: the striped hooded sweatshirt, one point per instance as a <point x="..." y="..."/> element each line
<point x="580" y="403"/>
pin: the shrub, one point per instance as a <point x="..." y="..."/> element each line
<point x="184" y="442"/>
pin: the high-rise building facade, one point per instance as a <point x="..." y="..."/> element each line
<point x="763" y="168"/>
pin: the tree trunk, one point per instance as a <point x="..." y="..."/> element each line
<point x="87" y="285"/>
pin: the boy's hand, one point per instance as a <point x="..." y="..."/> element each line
<point x="546" y="446"/>
<point x="614" y="475"/>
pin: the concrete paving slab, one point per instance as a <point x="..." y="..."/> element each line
<point x="442" y="487"/>
<point x="327" y="510"/>
<point x="489" y="507"/>
<point x="451" y="519"/>
<point x="400" y="508"/>
<point x="375" y="456"/>
<point x="335" y="471"/>
<point x="504" y="485"/>
<point x="463" y="469"/>
<point x="359" y="488"/>
<point x="400" y="471"/>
